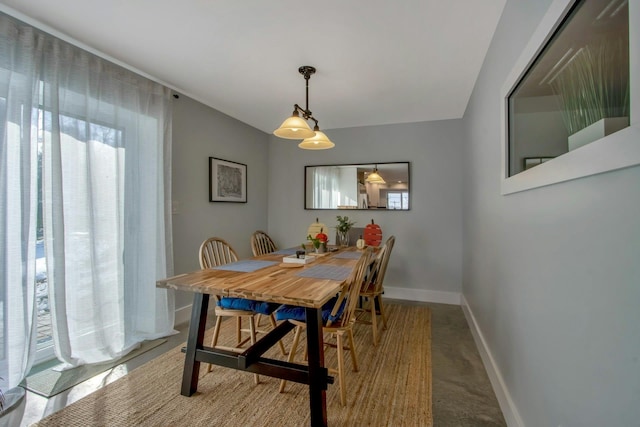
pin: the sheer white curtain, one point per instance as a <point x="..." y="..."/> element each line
<point x="106" y="164"/>
<point x="106" y="197"/>
<point x="18" y="203"/>
<point x="326" y="187"/>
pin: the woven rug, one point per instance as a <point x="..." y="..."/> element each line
<point x="392" y="388"/>
<point x="50" y="382"/>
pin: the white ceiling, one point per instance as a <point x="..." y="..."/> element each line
<point x="378" y="61"/>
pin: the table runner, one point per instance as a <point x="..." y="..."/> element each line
<point x="246" y="266"/>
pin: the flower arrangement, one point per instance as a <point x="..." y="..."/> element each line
<point x="319" y="241"/>
<point x="344" y="225"/>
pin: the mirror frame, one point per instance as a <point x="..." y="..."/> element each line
<point x="372" y="164"/>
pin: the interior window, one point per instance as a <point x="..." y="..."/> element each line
<point x="577" y="89"/>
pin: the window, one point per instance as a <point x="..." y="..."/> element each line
<point x="398" y="200"/>
<point x="76" y="133"/>
<point x="569" y="101"/>
<point x="66" y="119"/>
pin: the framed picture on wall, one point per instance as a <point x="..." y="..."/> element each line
<point x="227" y="181"/>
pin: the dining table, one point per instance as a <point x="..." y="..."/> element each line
<point x="267" y="278"/>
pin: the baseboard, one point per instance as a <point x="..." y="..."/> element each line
<point x="183" y="315"/>
<point x="509" y="410"/>
<point x="422" y="295"/>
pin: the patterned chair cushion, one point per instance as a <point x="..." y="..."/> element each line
<point x="292" y="312"/>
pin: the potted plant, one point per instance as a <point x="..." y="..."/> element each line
<point x="319" y="242"/>
<point x="343" y="227"/>
<point x="593" y="89"/>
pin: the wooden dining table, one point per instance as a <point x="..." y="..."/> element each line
<point x="266" y="278"/>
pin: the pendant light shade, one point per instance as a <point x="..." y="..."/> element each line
<point x="295" y="127"/>
<point x="317" y="142"/>
<point x="375" y="178"/>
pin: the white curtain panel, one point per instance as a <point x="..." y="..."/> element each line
<point x="326" y="188"/>
<point x="18" y="204"/>
<point x="106" y="136"/>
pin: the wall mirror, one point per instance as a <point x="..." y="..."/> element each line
<point x="362" y="186"/>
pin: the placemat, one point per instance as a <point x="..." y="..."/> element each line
<point x="246" y="265"/>
<point x="349" y="255"/>
<point x="331" y="272"/>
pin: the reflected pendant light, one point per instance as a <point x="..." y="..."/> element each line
<point x="296" y="127"/>
<point x="374" y="177"/>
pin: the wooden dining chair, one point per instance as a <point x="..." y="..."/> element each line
<point x="338" y="317"/>
<point x="373" y="289"/>
<point x="215" y="252"/>
<point x="262" y="243"/>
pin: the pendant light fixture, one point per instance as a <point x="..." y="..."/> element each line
<point x="374" y="177"/>
<point x="296" y="127"/>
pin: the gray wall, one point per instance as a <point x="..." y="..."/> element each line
<point x="551" y="275"/>
<point x="198" y="133"/>
<point x="428" y="251"/>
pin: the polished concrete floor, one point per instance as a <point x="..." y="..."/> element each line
<point x="462" y="393"/>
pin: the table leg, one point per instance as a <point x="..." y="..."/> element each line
<point x="317" y="376"/>
<point x="194" y="342"/>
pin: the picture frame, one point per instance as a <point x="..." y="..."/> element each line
<point x="227" y="181"/>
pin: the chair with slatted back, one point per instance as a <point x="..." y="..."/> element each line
<point x="215" y="252"/>
<point x="262" y="243"/>
<point x="373" y="289"/>
<point x="338" y="317"/>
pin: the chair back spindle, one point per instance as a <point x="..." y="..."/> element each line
<point x="262" y="243"/>
<point x="215" y="252"/>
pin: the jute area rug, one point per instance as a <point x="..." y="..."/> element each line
<point x="392" y="387"/>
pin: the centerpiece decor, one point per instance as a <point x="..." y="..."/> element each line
<point x="343" y="227"/>
<point x="319" y="242"/>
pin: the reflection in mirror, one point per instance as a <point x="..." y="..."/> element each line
<point x="355" y="186"/>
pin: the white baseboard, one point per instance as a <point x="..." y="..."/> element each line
<point x="183" y="315"/>
<point x="509" y="410"/>
<point x="422" y="295"/>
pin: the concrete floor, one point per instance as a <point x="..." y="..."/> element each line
<point x="462" y="393"/>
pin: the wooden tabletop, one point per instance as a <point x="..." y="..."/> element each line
<point x="273" y="284"/>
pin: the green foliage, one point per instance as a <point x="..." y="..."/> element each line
<point x="594" y="84"/>
<point x="344" y="224"/>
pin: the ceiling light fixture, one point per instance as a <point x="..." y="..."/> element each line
<point x="296" y="127"/>
<point x="374" y="177"/>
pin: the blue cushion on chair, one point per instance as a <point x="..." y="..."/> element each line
<point x="260" y="307"/>
<point x="292" y="312"/>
